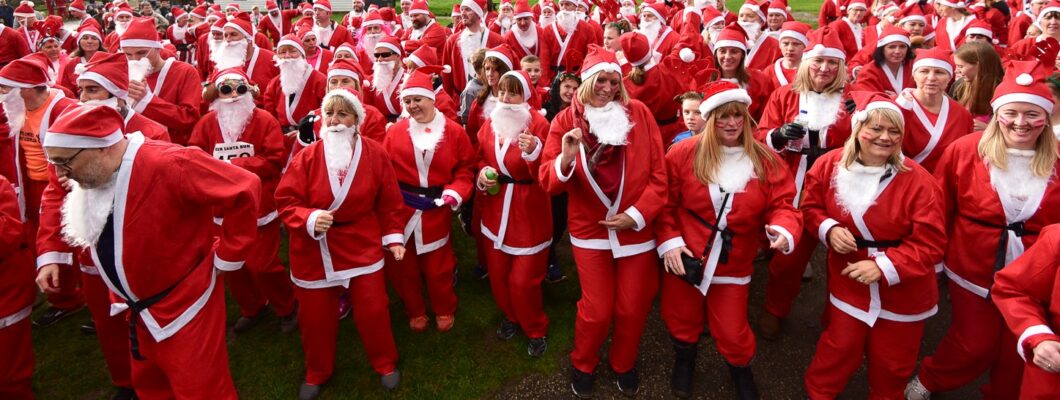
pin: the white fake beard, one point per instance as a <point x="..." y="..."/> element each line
<point x="567" y="20"/>
<point x="382" y="75"/>
<point x="15" y="109"/>
<point x="489" y="105"/>
<point x="505" y="22"/>
<point x="338" y="147"/>
<point x="628" y="11"/>
<point x="111" y="102"/>
<point x="139" y="69"/>
<point x="527" y="38"/>
<point x="120" y="27"/>
<point x="179" y="32"/>
<point x="233" y="115"/>
<point x="323" y="33"/>
<point x="84" y="213"/>
<point x="546" y="20"/>
<point x="509" y="120"/>
<point x="701" y="4"/>
<point x="229" y="54"/>
<point x="470" y="42"/>
<point x="370" y="40"/>
<point x="823" y="109"/>
<point x="610" y="124"/>
<point x="422" y="140"/>
<point x="753" y="29"/>
<point x="1056" y="131"/>
<point x="213" y="45"/>
<point x="735" y="171"/>
<point x="1017" y="180"/>
<point x="292" y="74"/>
<point x="855" y="187"/>
<point x="651" y="30"/>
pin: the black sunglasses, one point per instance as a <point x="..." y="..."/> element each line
<point x="227" y="89"/>
<point x="383" y="55"/>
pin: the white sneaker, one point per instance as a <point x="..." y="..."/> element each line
<point x="916" y="390"/>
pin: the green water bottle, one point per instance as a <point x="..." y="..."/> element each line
<point x="491" y="174"/>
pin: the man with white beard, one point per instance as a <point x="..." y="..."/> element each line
<point x="210" y="36"/>
<point x="237" y="132"/>
<point x="25" y="19"/>
<point x="239" y="50"/>
<point x="297" y="90"/>
<point x="548" y="13"/>
<point x="277" y="23"/>
<point x="763" y="50"/>
<point x="459" y="48"/>
<point x="330" y="34"/>
<point x="524" y="37"/>
<point x="568" y="37"/>
<point x="166" y="91"/>
<point x="144" y="210"/>
<point x="628" y="8"/>
<point x="661" y="39"/>
<point x="104" y="80"/>
<point x="505" y="19"/>
<point x="123" y="16"/>
<point x="181" y="34"/>
<point x="424" y="28"/>
<point x="387" y="75"/>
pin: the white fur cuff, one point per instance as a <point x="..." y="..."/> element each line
<point x="822" y="231"/>
<point x="889" y="272"/>
<point x="311" y="224"/>
<point x="670" y="244"/>
<point x="632" y="212"/>
<point x="787" y="235"/>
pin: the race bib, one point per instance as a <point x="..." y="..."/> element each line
<point x="231" y="151"/>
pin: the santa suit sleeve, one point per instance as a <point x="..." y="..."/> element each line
<point x="772" y="118"/>
<point x="553" y="176"/>
<point x="944" y="175"/>
<point x="292" y="194"/>
<point x="10" y="219"/>
<point x="814" y="214"/>
<point x="919" y="251"/>
<point x="464" y="176"/>
<point x="781" y="214"/>
<point x="178" y="116"/>
<point x="667" y="232"/>
<point x="51" y="248"/>
<point x="233" y="192"/>
<point x="389" y="202"/>
<point x="374" y="126"/>
<point x="268" y="154"/>
<point x="653" y="198"/>
<point x="272" y="97"/>
<point x="1023" y="289"/>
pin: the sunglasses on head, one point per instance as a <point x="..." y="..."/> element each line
<point x="383" y="55"/>
<point x="240" y="88"/>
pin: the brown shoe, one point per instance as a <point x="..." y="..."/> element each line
<point x="445" y="322"/>
<point x="418" y="324"/>
<point x="770" y="327"/>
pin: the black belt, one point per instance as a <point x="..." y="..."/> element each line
<point x="814" y="150"/>
<point x="879" y="244"/>
<point x="433" y="192"/>
<point x="1002" y="244"/>
<point x="502" y="178"/>
<point x="726" y="234"/>
<point x="668" y="121"/>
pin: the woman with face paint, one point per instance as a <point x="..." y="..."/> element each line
<point x="1001" y="188"/>
<point x="802" y="122"/>
<point x="933" y="120"/>
<point x="729" y="53"/>
<point x="878" y="213"/>
<point x="891" y="69"/>
<point x="726" y="191"/>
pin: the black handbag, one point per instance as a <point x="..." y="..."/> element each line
<point x="694" y="267"/>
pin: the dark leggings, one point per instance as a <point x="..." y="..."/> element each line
<point x="559" y="224"/>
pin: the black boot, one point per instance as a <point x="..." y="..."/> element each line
<point x="684" y="368"/>
<point x="744" y="382"/>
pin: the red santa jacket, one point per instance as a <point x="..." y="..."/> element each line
<point x="365" y="203"/>
<point x="434" y="35"/>
<point x="13" y="45"/>
<point x="67" y="76"/>
<point x="263" y="133"/>
<point x="150" y="129"/>
<point x="765" y="200"/>
<point x="539" y="49"/>
<point x="641" y="193"/>
<point x="657" y="92"/>
<point x="830" y="11"/>
<point x="112" y="43"/>
<point x="1018" y="27"/>
<point x="927" y="135"/>
<point x="447" y="169"/>
<point x="944" y="40"/>
<point x="183" y="42"/>
<point x="322" y="61"/>
<point x="759" y="88"/>
<point x="17" y="290"/>
<point x="975" y="214"/>
<point x="907" y="208"/>
<point x="261" y="69"/>
<point x="308" y="98"/>
<point x="387" y="101"/>
<point x="517" y="230"/>
<point x="173" y="99"/>
<point x="763" y="53"/>
<point x="780" y="76"/>
<point x="571" y="48"/>
<point x="1027" y="290"/>
<point x="849" y="35"/>
<point x="874" y="78"/>
<point x="454" y="57"/>
<point x="339" y="35"/>
<point x="275" y="30"/>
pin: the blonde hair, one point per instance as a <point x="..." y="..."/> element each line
<point x="992" y="148"/>
<point x="585" y="91"/>
<point x="707" y="161"/>
<point x="803" y="83"/>
<point x="852" y="147"/>
<point x="339" y="103"/>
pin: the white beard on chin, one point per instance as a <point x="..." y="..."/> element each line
<point x="546" y="21"/>
<point x="735" y="171"/>
<point x="111" y="102"/>
<point x="855" y="187"/>
<point x="626" y="11"/>
<point x="382" y="75"/>
<point x="505" y="22"/>
<point x="1017" y="181"/>
<point x="370" y="40"/>
<point x="120" y="27"/>
<point x="701" y="4"/>
<point x="488" y="106"/>
<point x="752" y="29"/>
<point x="85" y="212"/>
<point x="527" y="38"/>
<point x="610" y="124"/>
<point x="338" y="147"/>
<point x="15" y="109"/>
<point x="425" y="137"/>
<point x="651" y="30"/>
<point x="509" y="120"/>
<point x="567" y="20"/>
<point x="292" y="74"/>
<point x="139" y="69"/>
<point x="213" y="45"/>
<point x="822" y="109"/>
<point x="229" y="54"/>
<point x="178" y="32"/>
<point x="233" y="115"/>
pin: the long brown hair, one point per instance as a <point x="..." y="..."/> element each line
<point x="707" y="161"/>
<point x="976" y="94"/>
<point x="497" y="65"/>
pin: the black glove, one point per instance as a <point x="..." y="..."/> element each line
<point x="790" y="131"/>
<point x="850" y="106"/>
<point x="305" y="129"/>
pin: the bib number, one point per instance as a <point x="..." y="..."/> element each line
<point x="231" y="151"/>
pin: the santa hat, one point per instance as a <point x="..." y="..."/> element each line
<point x="529" y="92"/>
<point x="388" y="14"/>
<point x="421" y="82"/>
<point x="24" y="73"/>
<point x="293" y="40"/>
<point x="1053" y="6"/>
<point x="656" y="9"/>
<point x="855" y="4"/>
<point x="476" y="6"/>
<point x="979" y="27"/>
<point x="219" y="25"/>
<point x="141" y="33"/>
<point x="347" y="48"/>
<point x="866" y="101"/>
<point x="911" y="13"/>
<point x="712" y="16"/>
<point x="761" y="9"/>
<point x="456" y="10"/>
<point x="718" y="93"/>
<point x="124" y="9"/>
<point x="779" y="7"/>
<point x="108" y="70"/>
<point x="391" y="43"/>
<point x="346" y="67"/>
<point x="322" y="4"/>
<point x="419" y="7"/>
<point x="522" y="9"/>
<point x="504" y="54"/>
<point x="373" y="18"/>
<point x="426" y="55"/>
<point x="893" y="34"/>
<point x="506" y="3"/>
<point x="215" y="8"/>
<point x="178" y="13"/>
<point x="232" y="6"/>
<point x="936" y="57"/>
<point x="271" y="5"/>
<point x="25" y="10"/>
<point x="199" y="12"/>
<point x="795" y="30"/>
<point x="306" y="9"/>
<point x="241" y="22"/>
<point x="77" y="5"/>
<point x="1024" y="82"/>
<point x="824" y="42"/>
<point x="234" y="73"/>
<point x="358" y="107"/>
<point x="636" y="48"/>
<point x="598" y="60"/>
<point x="86" y="127"/>
<point x="732" y="36"/>
<point x="952" y="4"/>
<point x="89" y="30"/>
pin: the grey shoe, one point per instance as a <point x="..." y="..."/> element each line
<point x="244" y="324"/>
<point x="916" y="390"/>
<point x="308" y="392"/>
<point x="391" y="380"/>
<point x="507" y="330"/>
<point x="537" y="347"/>
<point x="289" y="322"/>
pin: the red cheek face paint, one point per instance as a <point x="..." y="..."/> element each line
<point x="1035" y="124"/>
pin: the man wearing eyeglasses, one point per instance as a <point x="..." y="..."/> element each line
<point x="277" y="23"/>
<point x="144" y="210"/>
<point x="387" y="73"/>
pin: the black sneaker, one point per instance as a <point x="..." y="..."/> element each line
<point x="244" y="324"/>
<point x="555" y="274"/>
<point x="581" y="383"/>
<point x="89" y="327"/>
<point x="124" y="393"/>
<point x="537" y="347"/>
<point x="480" y="272"/>
<point x="628" y="382"/>
<point x="507" y="330"/>
<point x="53" y="315"/>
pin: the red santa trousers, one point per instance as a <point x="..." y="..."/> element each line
<point x="685" y="310"/>
<point x="320" y="328"/>
<point x="263" y="280"/>
<point x="407" y="276"/>
<point x="191" y="364"/>
<point x="69" y="296"/>
<point x="613" y="289"/>
<point x="1038" y="384"/>
<point x="785" y="275"/>
<point x="16" y="370"/>
<point x="516" y="284"/>
<point x="977" y="340"/>
<point x="891" y="348"/>
<point x="112" y="332"/>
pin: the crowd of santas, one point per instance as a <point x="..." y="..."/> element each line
<point x="676" y="143"/>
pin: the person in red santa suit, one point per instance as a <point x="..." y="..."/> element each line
<point x="330" y="34"/>
<point x="164" y="90"/>
<point x="105" y="81"/>
<point x="878" y="213"/>
<point x="459" y="47"/>
<point x="763" y="50"/>
<point x="210" y="37"/>
<point x="79" y="13"/>
<point x="503" y="21"/>
<point x="343" y="74"/>
<point x="297" y="90"/>
<point x="498" y="61"/>
<point x="605" y="152"/>
<point x="850" y="27"/>
<point x="526" y="39"/>
<point x="237" y="132"/>
<point x="793" y="38"/>
<point x="277" y="22"/>
<point x="239" y="50"/>
<point x="339" y="200"/>
<point x="387" y="76"/>
<point x="180" y="34"/>
<point x="999" y="185"/>
<point x="1021" y="292"/>
<point x="891" y="68"/>
<point x="803" y="121"/>
<point x="514" y="237"/>
<point x="933" y="120"/>
<point x="320" y="59"/>
<point x="652" y="83"/>
<point x="123" y="18"/>
<point x="177" y="330"/>
<point x="831" y="10"/>
<point x="653" y="25"/>
<point x="31" y="107"/>
<point x="17" y="294"/>
<point x="1048" y="21"/>
<point x="89" y="42"/>
<point x="724" y="188"/>
<point x="13" y="45"/>
<point x="1023" y="19"/>
<point x="954" y="18"/>
<point x="424" y="28"/>
<point x="434" y="160"/>
<point x="566" y="37"/>
<point x="730" y="51"/>
<point x="373" y="30"/>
